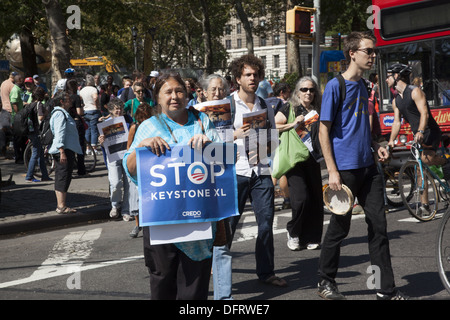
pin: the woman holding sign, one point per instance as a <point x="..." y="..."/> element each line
<point x="304" y="180"/>
<point x="178" y="270"/>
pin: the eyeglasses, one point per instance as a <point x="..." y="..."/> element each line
<point x="369" y="51"/>
<point x="312" y="90"/>
<point x="139" y="91"/>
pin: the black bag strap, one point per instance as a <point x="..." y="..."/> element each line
<point x="342" y="90"/>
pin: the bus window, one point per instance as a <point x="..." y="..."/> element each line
<point x="442" y="71"/>
<point x="417" y="55"/>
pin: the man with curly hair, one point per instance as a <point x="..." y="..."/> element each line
<point x="253" y="177"/>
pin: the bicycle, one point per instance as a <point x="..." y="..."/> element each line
<point x="389" y="171"/>
<point x="90" y="159"/>
<point x="418" y="189"/>
<point x="443" y="251"/>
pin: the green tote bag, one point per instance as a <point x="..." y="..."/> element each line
<point x="291" y="150"/>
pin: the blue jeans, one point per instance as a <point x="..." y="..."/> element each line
<point x="91" y="118"/>
<point x="222" y="273"/>
<point x="133" y="197"/>
<point x="37" y="155"/>
<point x="118" y="180"/>
<point x="261" y="192"/>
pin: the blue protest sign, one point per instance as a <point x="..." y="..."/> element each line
<point x="187" y="185"/>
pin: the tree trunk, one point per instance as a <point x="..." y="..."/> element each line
<point x="206" y="27"/>
<point x="59" y="42"/>
<point x="28" y="52"/>
<point x="247" y="27"/>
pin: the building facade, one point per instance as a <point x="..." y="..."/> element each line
<point x="271" y="48"/>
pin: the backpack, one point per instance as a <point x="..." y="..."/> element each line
<point x="46" y="134"/>
<point x="23" y="125"/>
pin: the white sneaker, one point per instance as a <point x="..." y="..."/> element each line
<point x="313" y="246"/>
<point x="88" y="152"/>
<point x="127" y="217"/>
<point x="114" y="213"/>
<point x="293" y="243"/>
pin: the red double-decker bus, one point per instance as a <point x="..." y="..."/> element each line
<point x="416" y="33"/>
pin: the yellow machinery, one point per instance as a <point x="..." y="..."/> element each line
<point x="95" y="61"/>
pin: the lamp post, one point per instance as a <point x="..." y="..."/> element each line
<point x="134" y="32"/>
<point x="148" y="45"/>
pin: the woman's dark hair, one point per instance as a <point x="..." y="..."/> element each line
<point x="115" y="102"/>
<point x="38" y="94"/>
<point x="162" y="79"/>
<point x="280" y="87"/>
<point x="143" y="112"/>
<point x="58" y="97"/>
<point x="71" y="86"/>
<point x="138" y="84"/>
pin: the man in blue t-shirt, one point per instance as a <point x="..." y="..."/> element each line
<point x="345" y="139"/>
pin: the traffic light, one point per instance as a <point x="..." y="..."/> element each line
<point x="298" y="21"/>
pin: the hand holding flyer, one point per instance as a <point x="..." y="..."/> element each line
<point x="219" y="112"/>
<point x="304" y="132"/>
<point x="115" y="131"/>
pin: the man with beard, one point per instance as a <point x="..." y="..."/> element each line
<point x="253" y="175"/>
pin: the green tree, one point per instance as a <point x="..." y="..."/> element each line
<point x="344" y="16"/>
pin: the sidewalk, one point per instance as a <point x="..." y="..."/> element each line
<point x="27" y="207"/>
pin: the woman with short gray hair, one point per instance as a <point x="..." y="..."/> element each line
<point x="215" y="87"/>
<point x="304" y="179"/>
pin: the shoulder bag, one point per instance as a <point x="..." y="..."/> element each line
<point x="290" y="151"/>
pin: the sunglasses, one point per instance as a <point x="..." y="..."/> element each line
<point x="312" y="90"/>
<point x="369" y="51"/>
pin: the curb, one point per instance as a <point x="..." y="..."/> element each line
<point x="19" y="227"/>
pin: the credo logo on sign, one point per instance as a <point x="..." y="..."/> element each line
<point x="194" y="214"/>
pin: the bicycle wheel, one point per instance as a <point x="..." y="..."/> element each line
<point x="394" y="198"/>
<point x="90" y="158"/>
<point x="414" y="198"/>
<point x="49" y="161"/>
<point x="443" y="250"/>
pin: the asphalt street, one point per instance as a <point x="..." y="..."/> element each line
<point x="88" y="256"/>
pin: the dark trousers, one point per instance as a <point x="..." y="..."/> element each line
<point x="63" y="171"/>
<point x="366" y="185"/>
<point x="173" y="275"/>
<point x="80" y="157"/>
<point x="305" y="193"/>
<point x="19" y="144"/>
<point x="261" y="192"/>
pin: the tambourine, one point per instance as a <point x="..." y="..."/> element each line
<point x="338" y="202"/>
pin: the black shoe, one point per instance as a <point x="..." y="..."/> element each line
<point x="397" y="295"/>
<point x="329" y="291"/>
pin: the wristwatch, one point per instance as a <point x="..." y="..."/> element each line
<point x="421" y="131"/>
